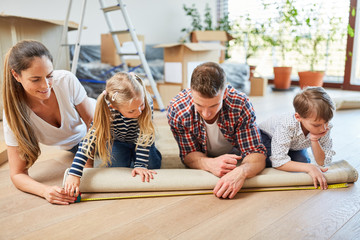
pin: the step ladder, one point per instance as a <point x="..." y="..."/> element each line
<point x="120" y="6"/>
<point x="64" y="37"/>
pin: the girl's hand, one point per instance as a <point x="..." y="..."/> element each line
<point x="145" y="173"/>
<point x="57" y="195"/>
<point x="317" y="175"/>
<point x="72" y="186"/>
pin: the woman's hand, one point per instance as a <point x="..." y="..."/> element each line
<point x="72" y="185"/>
<point x="145" y="173"/>
<point x="57" y="195"/>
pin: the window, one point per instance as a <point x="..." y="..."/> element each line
<point x="331" y="46"/>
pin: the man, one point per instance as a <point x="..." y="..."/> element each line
<point x="215" y="127"/>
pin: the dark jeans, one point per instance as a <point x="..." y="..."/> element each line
<point x="74" y="149"/>
<point x="123" y="155"/>
<point x="298" y="156"/>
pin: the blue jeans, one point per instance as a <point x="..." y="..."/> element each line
<point x="298" y="155"/>
<point x="74" y="149"/>
<point x="123" y="155"/>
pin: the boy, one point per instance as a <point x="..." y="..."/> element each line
<point x="287" y="137"/>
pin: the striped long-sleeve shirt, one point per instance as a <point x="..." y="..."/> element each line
<point x="122" y="129"/>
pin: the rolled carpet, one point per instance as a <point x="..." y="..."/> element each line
<point x="347" y="102"/>
<point x="120" y="179"/>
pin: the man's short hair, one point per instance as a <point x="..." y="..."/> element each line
<point x="208" y="79"/>
<point x="314" y="100"/>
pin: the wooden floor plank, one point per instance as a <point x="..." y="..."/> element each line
<point x="350" y="231"/>
<point x="180" y="216"/>
<point x="318" y="218"/>
<point x="248" y="216"/>
<point x="101" y="217"/>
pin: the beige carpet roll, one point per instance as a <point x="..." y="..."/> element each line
<point x="347" y="102"/>
<point x="120" y="179"/>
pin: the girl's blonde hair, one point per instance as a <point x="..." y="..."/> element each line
<point x="19" y="58"/>
<point x="120" y="90"/>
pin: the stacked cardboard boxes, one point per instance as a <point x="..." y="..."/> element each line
<point x="180" y="59"/>
<point x="109" y="53"/>
<point x="167" y="92"/>
<point x="220" y="37"/>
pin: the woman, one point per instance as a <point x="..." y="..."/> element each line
<point x="40" y="106"/>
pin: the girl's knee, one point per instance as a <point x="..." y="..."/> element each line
<point x="154" y="158"/>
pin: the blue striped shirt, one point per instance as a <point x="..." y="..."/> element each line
<point x="123" y="130"/>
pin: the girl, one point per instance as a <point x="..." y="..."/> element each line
<point x="122" y="133"/>
<point x="40" y="105"/>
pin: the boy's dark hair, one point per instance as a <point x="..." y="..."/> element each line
<point x="208" y="79"/>
<point x="314" y="100"/>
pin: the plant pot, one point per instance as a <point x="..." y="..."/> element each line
<point x="282" y="77"/>
<point x="252" y="69"/>
<point x="311" y="78"/>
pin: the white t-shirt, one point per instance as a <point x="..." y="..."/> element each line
<point x="69" y="93"/>
<point x="216" y="142"/>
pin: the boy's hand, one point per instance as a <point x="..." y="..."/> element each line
<point x="316" y="137"/>
<point x="317" y="175"/>
<point x="72" y="185"/>
<point x="145" y="173"/>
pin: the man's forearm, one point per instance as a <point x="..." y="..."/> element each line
<point x="253" y="164"/>
<point x="196" y="160"/>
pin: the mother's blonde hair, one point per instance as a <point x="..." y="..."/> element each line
<point x="120" y="90"/>
<point x="19" y="58"/>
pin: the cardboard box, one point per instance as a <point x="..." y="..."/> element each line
<point x="167" y="92"/>
<point x="13" y="29"/>
<point x="180" y="59"/>
<point x="220" y="37"/>
<point x="109" y="53"/>
<point x="151" y="92"/>
<point x="258" y="86"/>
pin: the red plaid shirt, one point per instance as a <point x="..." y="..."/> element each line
<point x="236" y="122"/>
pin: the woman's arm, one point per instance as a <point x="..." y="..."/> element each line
<point x="21" y="179"/>
<point x="86" y="111"/>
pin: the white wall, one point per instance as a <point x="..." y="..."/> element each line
<point x="160" y="21"/>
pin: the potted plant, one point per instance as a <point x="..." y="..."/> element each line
<point x="317" y="32"/>
<point x="248" y="33"/>
<point x="280" y="34"/>
<point x="207" y="32"/>
<point x="196" y="23"/>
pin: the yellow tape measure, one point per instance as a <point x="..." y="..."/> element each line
<point x="330" y="186"/>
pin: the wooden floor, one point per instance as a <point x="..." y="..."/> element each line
<point x="306" y="214"/>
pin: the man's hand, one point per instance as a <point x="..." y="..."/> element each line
<point x="221" y="165"/>
<point x="230" y="184"/>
